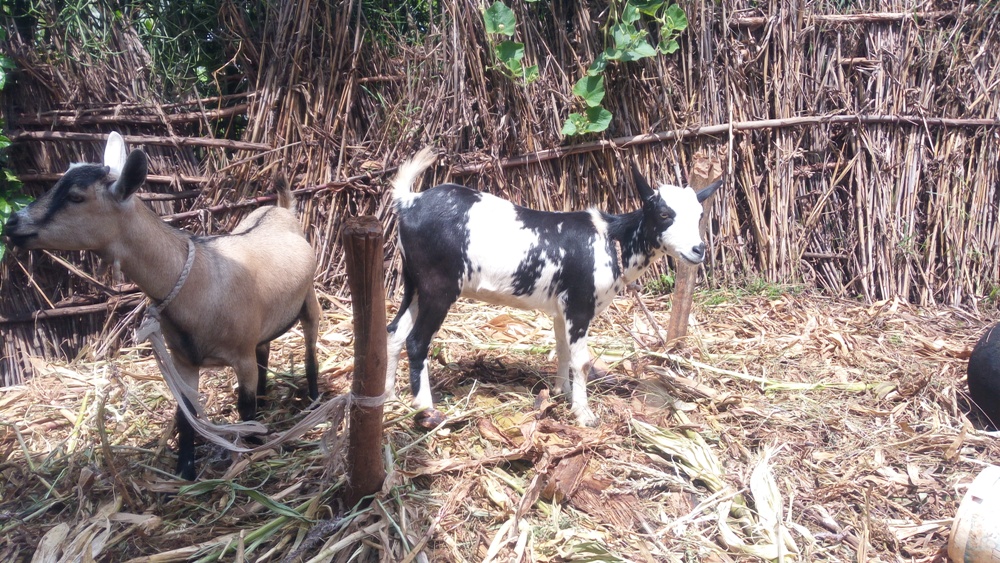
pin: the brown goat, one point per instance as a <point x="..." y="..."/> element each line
<point x="243" y="290"/>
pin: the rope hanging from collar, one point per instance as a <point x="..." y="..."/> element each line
<point x="179" y="387"/>
<point x="228" y="435"/>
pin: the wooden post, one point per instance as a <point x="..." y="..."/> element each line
<point x="681" y="301"/>
<point x="364" y="252"/>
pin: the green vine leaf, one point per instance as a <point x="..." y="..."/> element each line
<point x="590" y="89"/>
<point x="648" y="7"/>
<point x="630" y="43"/>
<point x="509" y="51"/>
<point x="514" y="67"/>
<point x="5" y="65"/>
<point x="675" y="19"/>
<point x="500" y="20"/>
<point x="11" y="198"/>
<point x="531" y="74"/>
<point x="631" y="13"/>
<point x="624" y="35"/>
<point x="598" y="119"/>
<point x="600" y="63"/>
<point x="592" y="120"/>
<point x="641" y="50"/>
<point x="575" y="123"/>
<point x="668" y="46"/>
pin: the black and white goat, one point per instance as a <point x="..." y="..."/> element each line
<point x="984" y="377"/>
<point x="242" y="290"/>
<point x="459" y="242"/>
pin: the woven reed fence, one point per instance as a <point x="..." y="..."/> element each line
<point x="860" y="139"/>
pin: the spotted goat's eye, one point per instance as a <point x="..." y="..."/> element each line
<point x="75" y="198"/>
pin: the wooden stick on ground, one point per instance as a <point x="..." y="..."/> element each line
<point x="363" y="249"/>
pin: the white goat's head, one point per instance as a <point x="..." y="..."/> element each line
<point x="80" y="211"/>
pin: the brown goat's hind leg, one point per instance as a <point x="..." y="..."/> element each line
<point x="310" y="328"/>
<point x="247" y="385"/>
<point x="263" y="353"/>
<point x="248" y="389"/>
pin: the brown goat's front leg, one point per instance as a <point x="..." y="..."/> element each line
<point x="185" y="432"/>
<point x="185" y="445"/>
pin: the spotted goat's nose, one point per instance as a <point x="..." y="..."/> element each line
<point x="699" y="250"/>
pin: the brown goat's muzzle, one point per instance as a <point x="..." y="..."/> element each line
<point x="14" y="235"/>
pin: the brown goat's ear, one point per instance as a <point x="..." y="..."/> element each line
<point x="645" y="192"/>
<point x="114" y="152"/>
<point x="132" y="176"/>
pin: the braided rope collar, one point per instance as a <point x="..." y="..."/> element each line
<point x="155" y="310"/>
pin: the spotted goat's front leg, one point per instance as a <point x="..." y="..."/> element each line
<point x="572" y="370"/>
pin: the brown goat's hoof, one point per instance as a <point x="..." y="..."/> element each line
<point x="186" y="470"/>
<point x="429" y="419"/>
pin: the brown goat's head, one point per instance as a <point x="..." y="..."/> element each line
<point x="83" y="211"/>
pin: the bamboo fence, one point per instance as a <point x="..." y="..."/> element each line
<point x="860" y="140"/>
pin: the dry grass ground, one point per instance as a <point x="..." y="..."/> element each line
<point x="788" y="426"/>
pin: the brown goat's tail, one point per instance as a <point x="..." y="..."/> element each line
<point x="285" y="197"/>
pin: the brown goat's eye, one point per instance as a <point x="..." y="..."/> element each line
<point x="75" y="198"/>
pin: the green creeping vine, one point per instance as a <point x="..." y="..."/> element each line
<point x="11" y="197"/>
<point x="501" y="22"/>
<point x="630" y="44"/>
<point x="627" y="35"/>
